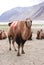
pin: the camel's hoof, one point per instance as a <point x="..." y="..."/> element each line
<point x="18" y="54"/>
<point x="10" y="49"/>
<point x="23" y="52"/>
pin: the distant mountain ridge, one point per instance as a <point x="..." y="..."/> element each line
<point x="35" y="12"/>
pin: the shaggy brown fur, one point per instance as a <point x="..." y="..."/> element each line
<point x="19" y="32"/>
<point x="40" y="34"/>
<point x="30" y="37"/>
<point x="3" y="35"/>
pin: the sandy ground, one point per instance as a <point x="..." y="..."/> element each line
<point x="34" y="53"/>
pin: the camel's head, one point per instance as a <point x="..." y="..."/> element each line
<point x="28" y="23"/>
<point x="38" y="33"/>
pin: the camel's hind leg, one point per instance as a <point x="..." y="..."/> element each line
<point x="9" y="43"/>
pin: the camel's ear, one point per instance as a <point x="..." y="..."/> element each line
<point x="9" y="24"/>
<point x="31" y="21"/>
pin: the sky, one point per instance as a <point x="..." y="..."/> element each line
<point x="9" y="4"/>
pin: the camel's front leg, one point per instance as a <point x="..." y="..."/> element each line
<point x="18" y="54"/>
<point x="14" y="44"/>
<point x="23" y="49"/>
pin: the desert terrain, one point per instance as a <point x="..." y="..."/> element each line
<point x="34" y="51"/>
